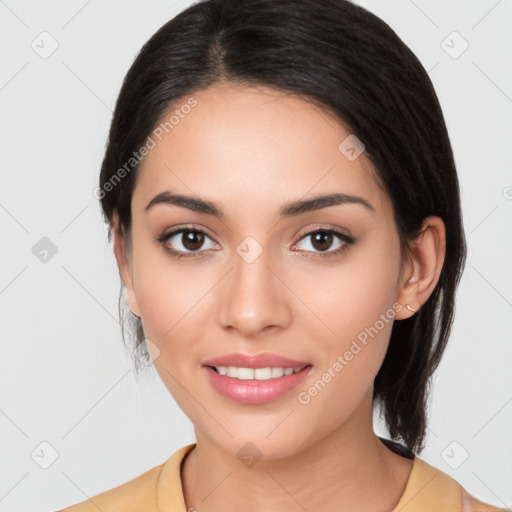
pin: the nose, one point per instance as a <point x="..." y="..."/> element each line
<point x="254" y="298"/>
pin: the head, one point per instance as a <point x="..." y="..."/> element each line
<point x="250" y="109"/>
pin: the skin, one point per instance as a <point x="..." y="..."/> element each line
<point x="251" y="150"/>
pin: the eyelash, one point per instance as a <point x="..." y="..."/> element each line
<point x="347" y="241"/>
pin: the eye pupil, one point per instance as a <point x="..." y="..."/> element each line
<point x="192" y="240"/>
<point x="324" y="238"/>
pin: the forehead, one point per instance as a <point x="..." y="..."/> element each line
<point x="252" y="143"/>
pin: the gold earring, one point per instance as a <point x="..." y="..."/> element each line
<point x="409" y="307"/>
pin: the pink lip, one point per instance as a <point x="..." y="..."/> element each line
<point x="262" y="360"/>
<point x="253" y="391"/>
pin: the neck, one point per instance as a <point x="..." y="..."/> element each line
<point x="349" y="469"/>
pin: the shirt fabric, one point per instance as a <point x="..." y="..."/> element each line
<point x="160" y="490"/>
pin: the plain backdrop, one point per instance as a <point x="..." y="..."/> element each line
<point x="73" y="420"/>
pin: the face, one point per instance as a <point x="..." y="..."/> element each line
<point x="250" y="280"/>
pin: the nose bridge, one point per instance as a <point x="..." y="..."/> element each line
<point x="253" y="298"/>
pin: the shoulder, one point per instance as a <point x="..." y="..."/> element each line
<point x="130" y="496"/>
<point x="471" y="504"/>
<point x="139" y="494"/>
<point x="431" y="489"/>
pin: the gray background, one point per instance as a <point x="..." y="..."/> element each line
<point x="64" y="376"/>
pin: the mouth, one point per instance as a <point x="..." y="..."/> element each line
<point x="253" y="386"/>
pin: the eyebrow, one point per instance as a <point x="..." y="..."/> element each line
<point x="290" y="209"/>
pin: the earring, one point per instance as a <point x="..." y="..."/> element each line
<point x="409" y="307"/>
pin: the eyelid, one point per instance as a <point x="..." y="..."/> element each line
<point x="324" y="227"/>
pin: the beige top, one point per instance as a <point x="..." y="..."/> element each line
<point x="160" y="490"/>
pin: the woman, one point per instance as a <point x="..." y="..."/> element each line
<point x="282" y="194"/>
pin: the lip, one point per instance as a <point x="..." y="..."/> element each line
<point x="253" y="391"/>
<point x="262" y="360"/>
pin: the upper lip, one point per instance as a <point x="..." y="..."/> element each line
<point x="262" y="360"/>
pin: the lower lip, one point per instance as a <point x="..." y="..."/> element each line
<point x="253" y="391"/>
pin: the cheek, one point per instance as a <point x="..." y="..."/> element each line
<point x="350" y="297"/>
<point x="355" y="305"/>
<point x="169" y="299"/>
<point x="351" y="351"/>
<point x="170" y="302"/>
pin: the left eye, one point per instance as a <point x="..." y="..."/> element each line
<point x="322" y="240"/>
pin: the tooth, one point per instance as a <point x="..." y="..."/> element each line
<point x="288" y="371"/>
<point x="262" y="373"/>
<point x="222" y="370"/>
<point x="245" y="373"/>
<point x="297" y="369"/>
<point x="232" y="371"/>
<point x="277" y="372"/>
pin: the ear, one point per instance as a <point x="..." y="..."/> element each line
<point x="422" y="271"/>
<point x="124" y="263"/>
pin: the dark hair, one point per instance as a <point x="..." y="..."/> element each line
<point x="352" y="64"/>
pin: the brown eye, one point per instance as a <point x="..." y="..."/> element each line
<point x="323" y="240"/>
<point x="186" y="242"/>
<point x="192" y="240"/>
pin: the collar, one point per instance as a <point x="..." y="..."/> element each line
<point x="427" y="488"/>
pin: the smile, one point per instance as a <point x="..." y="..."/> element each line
<point x="255" y="385"/>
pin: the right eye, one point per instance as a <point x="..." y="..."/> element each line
<point x="185" y="242"/>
